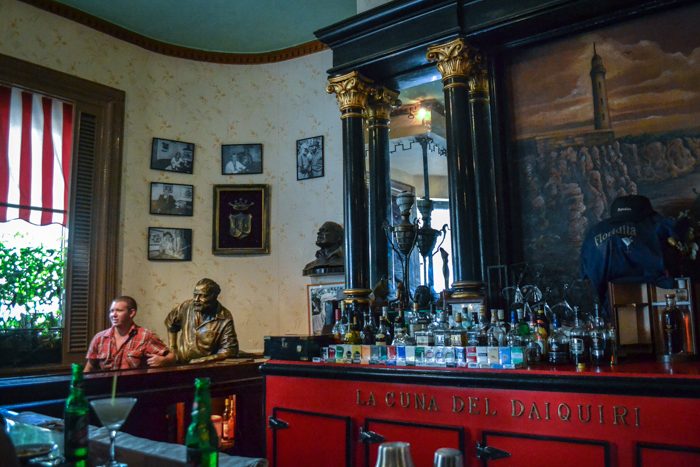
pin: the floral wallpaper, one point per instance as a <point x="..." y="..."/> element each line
<point x="208" y="105"/>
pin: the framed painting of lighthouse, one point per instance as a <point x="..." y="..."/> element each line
<point x="241" y="220"/>
<point x="597" y="115"/>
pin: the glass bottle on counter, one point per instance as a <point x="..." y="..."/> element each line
<point x="495" y="335"/>
<point x="600" y="347"/>
<point x="482" y="327"/>
<point x="514" y="339"/>
<point x="458" y="335"/>
<point x="339" y="327"/>
<point x="505" y="325"/>
<point x="673" y="328"/>
<point x="201" y="440"/>
<point x="558" y="344"/>
<point x="352" y="336"/>
<point x="400" y="335"/>
<point x="440" y="329"/>
<point x="368" y="331"/>
<point x="75" y="421"/>
<point x="578" y="341"/>
<point x="383" y="334"/>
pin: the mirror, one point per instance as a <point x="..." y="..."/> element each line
<point x="417" y="151"/>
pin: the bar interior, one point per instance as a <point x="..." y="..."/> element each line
<point x="430" y="233"/>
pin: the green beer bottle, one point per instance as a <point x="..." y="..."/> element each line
<point x="201" y="440"/>
<point x="75" y="421"/>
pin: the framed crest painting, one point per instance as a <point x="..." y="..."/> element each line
<point x="241" y="220"/>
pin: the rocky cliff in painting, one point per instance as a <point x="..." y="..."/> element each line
<point x="568" y="188"/>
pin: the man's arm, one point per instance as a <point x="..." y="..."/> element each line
<point x="173" y="324"/>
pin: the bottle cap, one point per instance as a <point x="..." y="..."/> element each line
<point x="581" y="367"/>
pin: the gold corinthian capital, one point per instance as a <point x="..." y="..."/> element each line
<point x="351" y="90"/>
<point x="479" y="79"/>
<point x="381" y="101"/>
<point x="454" y="59"/>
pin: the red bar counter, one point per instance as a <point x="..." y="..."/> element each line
<point x="633" y="414"/>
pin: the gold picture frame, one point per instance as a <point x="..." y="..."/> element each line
<point x="241" y="220"/>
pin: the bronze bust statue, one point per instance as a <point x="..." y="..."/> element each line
<point x="330" y="258"/>
<point x="201" y="329"/>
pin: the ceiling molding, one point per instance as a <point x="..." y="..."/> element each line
<point x="163" y="48"/>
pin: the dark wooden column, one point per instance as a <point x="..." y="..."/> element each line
<point x="454" y="61"/>
<point x="378" y="110"/>
<point x="482" y="148"/>
<point x="351" y="91"/>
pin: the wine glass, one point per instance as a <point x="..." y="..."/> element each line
<point x="112" y="413"/>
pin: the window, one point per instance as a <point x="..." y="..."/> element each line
<point x="93" y="205"/>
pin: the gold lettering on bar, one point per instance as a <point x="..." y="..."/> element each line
<point x="381" y="102"/>
<point x="455" y="61"/>
<point x="534" y="411"/>
<point x="351" y="91"/>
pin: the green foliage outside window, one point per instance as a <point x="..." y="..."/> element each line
<point x="31" y="287"/>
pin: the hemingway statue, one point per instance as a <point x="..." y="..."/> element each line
<point x="330" y="258"/>
<point x="201" y="329"/>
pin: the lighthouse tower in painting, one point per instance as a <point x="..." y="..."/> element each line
<point x="601" y="112"/>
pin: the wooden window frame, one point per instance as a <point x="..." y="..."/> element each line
<point x="92" y="270"/>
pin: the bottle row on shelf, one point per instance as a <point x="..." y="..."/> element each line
<point x="438" y="332"/>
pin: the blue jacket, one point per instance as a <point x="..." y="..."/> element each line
<point x="626" y="252"/>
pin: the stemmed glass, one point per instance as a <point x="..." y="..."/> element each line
<point x="112" y="413"/>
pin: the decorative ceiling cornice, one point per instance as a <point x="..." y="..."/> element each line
<point x="163" y="48"/>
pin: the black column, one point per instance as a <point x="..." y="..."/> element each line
<point x="482" y="147"/>
<point x="454" y="63"/>
<point x="351" y="91"/>
<point x="378" y="113"/>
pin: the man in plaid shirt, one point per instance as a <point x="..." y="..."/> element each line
<point x="126" y="345"/>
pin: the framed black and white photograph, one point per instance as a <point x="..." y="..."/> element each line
<point x="323" y="299"/>
<point x="310" y="158"/>
<point x="239" y="159"/>
<point x="171" y="199"/>
<point x="169" y="244"/>
<point x="172" y="156"/>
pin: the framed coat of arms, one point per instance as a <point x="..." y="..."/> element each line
<point x="241" y="220"/>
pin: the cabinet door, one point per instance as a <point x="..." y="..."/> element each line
<point x="424" y="439"/>
<point x="650" y="455"/>
<point x="305" y="439"/>
<point x="527" y="450"/>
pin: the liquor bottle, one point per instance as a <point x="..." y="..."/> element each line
<point x="383" y="334"/>
<point x="339" y="327"/>
<point x="201" y="440"/>
<point x="483" y="326"/>
<point x="367" y="336"/>
<point x="352" y="336"/>
<point x="578" y="341"/>
<point x="458" y="335"/>
<point x="514" y="339"/>
<point x="439" y="329"/>
<point x="558" y="344"/>
<point x="600" y="347"/>
<point x="541" y="325"/>
<point x="502" y="321"/>
<point x="226" y="420"/>
<point x="466" y="318"/>
<point x="672" y="327"/>
<point x="523" y="328"/>
<point x="495" y="335"/>
<point x="75" y="421"/>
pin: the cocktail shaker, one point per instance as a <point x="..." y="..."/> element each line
<point x="394" y="454"/>
<point x="447" y="457"/>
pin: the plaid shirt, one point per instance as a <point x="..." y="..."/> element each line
<point x="133" y="353"/>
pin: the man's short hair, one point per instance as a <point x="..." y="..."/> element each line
<point x="130" y="302"/>
<point x="209" y="285"/>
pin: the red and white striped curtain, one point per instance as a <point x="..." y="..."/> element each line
<point x="36" y="143"/>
